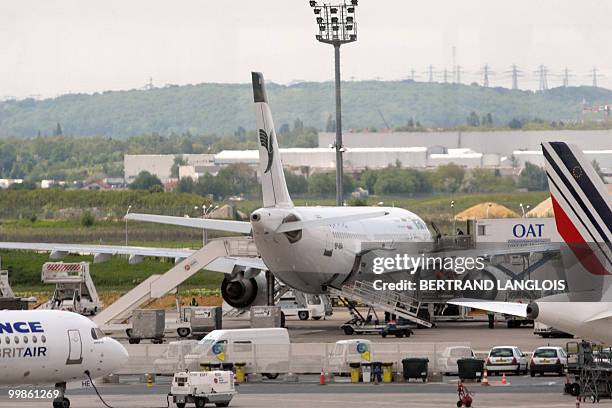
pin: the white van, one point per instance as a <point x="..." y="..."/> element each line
<point x="349" y="351"/>
<point x="264" y="351"/>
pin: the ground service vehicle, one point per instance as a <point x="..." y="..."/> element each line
<point x="264" y="351"/>
<point x="546" y="331"/>
<point x="349" y="351"/>
<point x="447" y="363"/>
<point x="506" y="359"/>
<point x="548" y="360"/>
<point x="173" y="358"/>
<point x="202" y="387"/>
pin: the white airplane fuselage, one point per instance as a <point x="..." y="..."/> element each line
<point x="52" y="346"/>
<point x="312" y="258"/>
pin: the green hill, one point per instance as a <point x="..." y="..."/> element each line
<point x="222" y="108"/>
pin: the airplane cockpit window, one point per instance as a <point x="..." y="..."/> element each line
<point x="96" y="333"/>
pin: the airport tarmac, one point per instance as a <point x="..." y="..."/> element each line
<point x="477" y="333"/>
<point x="332" y="395"/>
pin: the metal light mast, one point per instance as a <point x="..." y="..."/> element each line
<point x="336" y="26"/>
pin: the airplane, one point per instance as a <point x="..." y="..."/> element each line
<point x="583" y="217"/>
<point x="308" y="248"/>
<point x="52" y="346"/>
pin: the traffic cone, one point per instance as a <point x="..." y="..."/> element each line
<point x="504" y="380"/>
<point x="485" y="378"/>
<point x="322" y="378"/>
<point x="577" y="401"/>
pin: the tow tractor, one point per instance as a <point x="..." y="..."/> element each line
<point x="202" y="387"/>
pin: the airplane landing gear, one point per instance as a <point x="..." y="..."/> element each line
<point x="61" y="401"/>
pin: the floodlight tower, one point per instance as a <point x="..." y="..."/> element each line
<point x="337" y="25"/>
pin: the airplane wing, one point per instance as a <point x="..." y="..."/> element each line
<point x="241" y="227"/>
<point x="97" y="249"/>
<point x="223" y="264"/>
<point x="515" y="309"/>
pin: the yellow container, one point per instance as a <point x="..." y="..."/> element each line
<point x="387" y="371"/>
<point x="355" y="371"/>
<point x="240" y="374"/>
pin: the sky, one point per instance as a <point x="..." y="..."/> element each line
<point x="55" y="47"/>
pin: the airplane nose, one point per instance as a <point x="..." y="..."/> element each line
<point x="120" y="355"/>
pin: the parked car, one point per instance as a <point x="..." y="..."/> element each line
<point x="506" y="359"/>
<point x="548" y="359"/>
<point x="447" y="363"/>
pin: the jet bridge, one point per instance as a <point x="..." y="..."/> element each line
<point x="156" y="286"/>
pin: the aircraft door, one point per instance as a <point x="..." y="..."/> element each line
<point x="75" y="347"/>
<point x="329" y="242"/>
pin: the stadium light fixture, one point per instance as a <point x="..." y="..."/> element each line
<point x="336" y="27"/>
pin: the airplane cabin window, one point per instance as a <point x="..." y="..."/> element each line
<point x="16" y="340"/>
<point x="34" y="339"/>
<point x="25" y="339"/>
<point x="43" y="338"/>
<point x="8" y="340"/>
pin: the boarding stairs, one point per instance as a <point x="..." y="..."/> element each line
<point x="156" y="286"/>
<point x="5" y="286"/>
<point x="389" y="301"/>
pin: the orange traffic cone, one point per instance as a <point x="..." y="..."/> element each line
<point x="504" y="380"/>
<point x="578" y="401"/>
<point x="322" y="378"/>
<point x="485" y="378"/>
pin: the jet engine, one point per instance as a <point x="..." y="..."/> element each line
<point x="244" y="288"/>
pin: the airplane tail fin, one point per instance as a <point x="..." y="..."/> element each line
<point x="581" y="205"/>
<point x="273" y="184"/>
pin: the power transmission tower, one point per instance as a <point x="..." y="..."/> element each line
<point x="412" y="74"/>
<point x="486" y="73"/>
<point x="543" y="76"/>
<point x="515" y="74"/>
<point x="594" y="77"/>
<point x="458" y="74"/>
<point x="430" y="73"/>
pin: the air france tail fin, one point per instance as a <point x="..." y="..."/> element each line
<point x="273" y="184"/>
<point x="581" y="204"/>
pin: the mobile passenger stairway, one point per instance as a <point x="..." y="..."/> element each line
<point x="393" y="302"/>
<point x="156" y="286"/>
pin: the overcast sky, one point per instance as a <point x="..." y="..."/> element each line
<point x="50" y="47"/>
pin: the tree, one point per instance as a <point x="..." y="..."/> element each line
<point x="298" y="124"/>
<point x="145" y="181"/>
<point x="58" y="130"/>
<point x="473" y="120"/>
<point x="296" y="183"/>
<point x="488" y="181"/>
<point x="324" y="184"/>
<point x="447" y="178"/>
<point x="178" y="161"/>
<point x="330" y="125"/>
<point x="515" y="124"/>
<point x="185" y="185"/>
<point x="533" y="178"/>
<point x="87" y="219"/>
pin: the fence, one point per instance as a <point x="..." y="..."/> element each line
<point x="300" y="358"/>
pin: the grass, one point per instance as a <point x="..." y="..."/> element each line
<point x="114" y="275"/>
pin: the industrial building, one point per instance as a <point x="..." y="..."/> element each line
<point x="502" y="142"/>
<point x="356" y="159"/>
